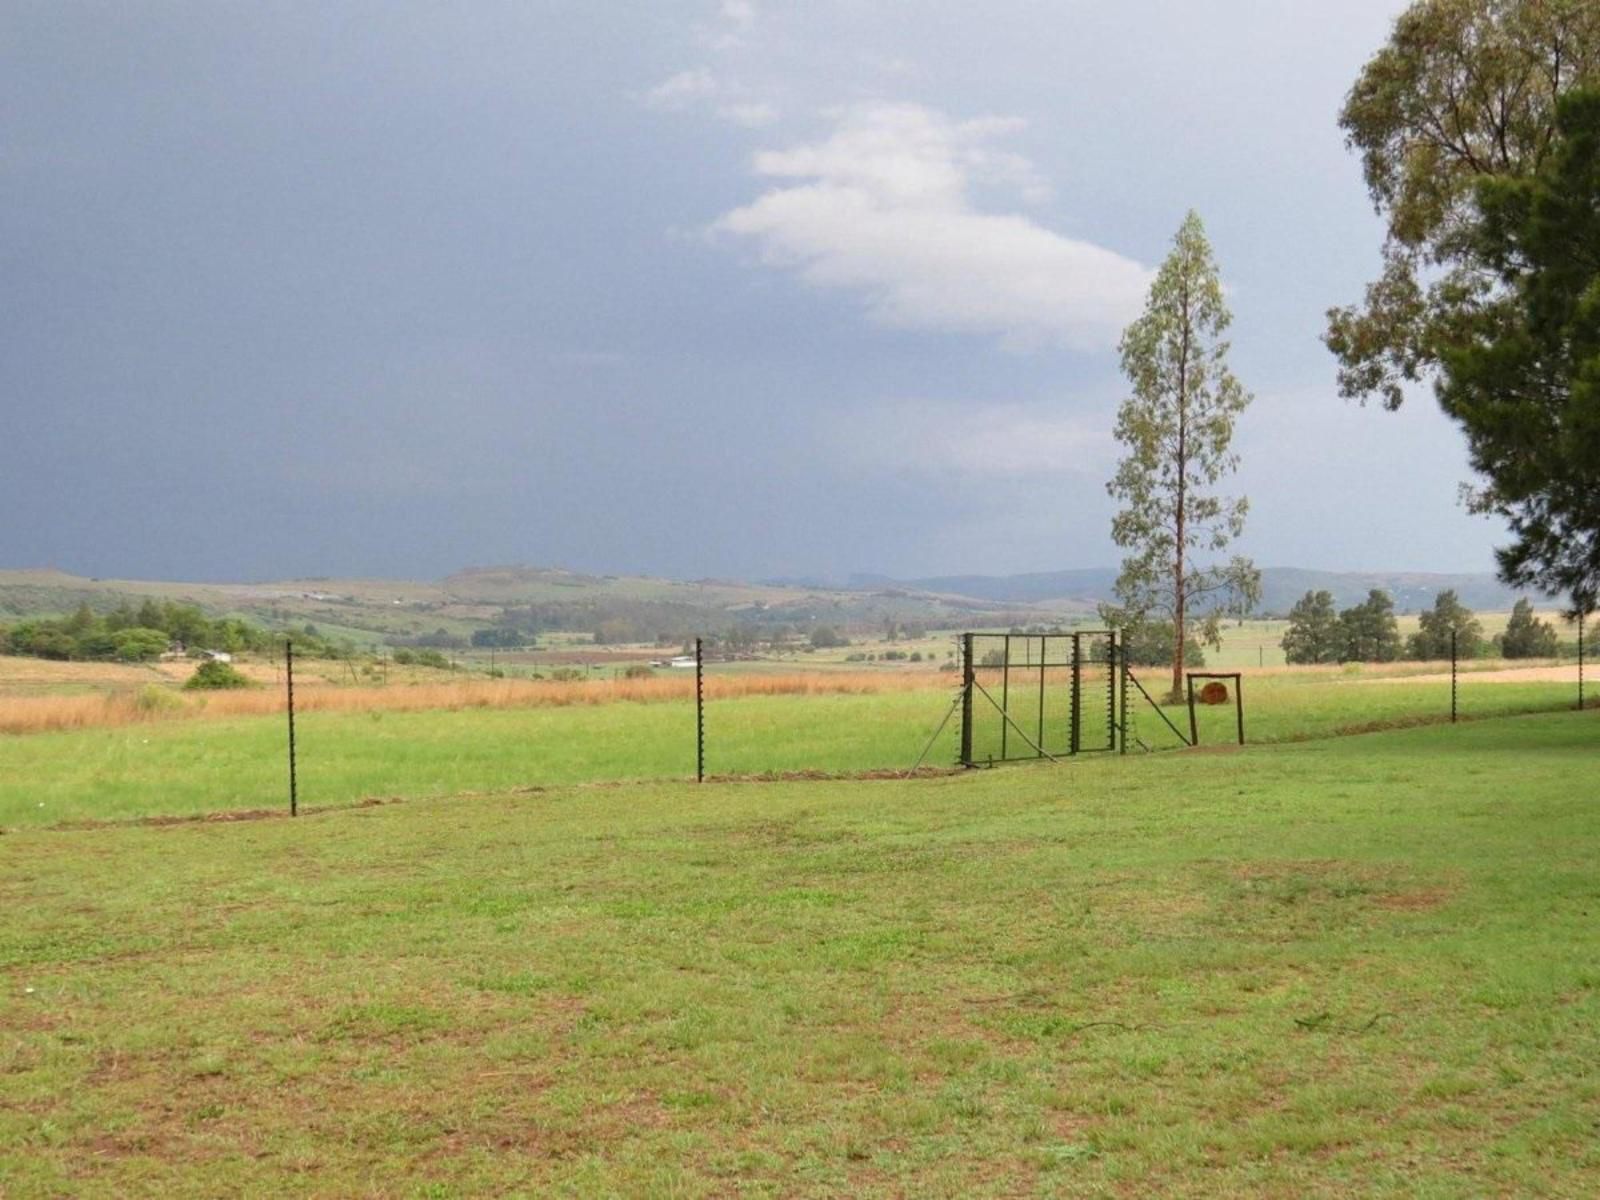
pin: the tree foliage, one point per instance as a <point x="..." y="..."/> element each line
<point x="1464" y="90"/>
<point x="1313" y="635"/>
<point x="1368" y="631"/>
<point x="1526" y="636"/>
<point x="1177" y="427"/>
<point x="213" y="675"/>
<point x="1150" y="643"/>
<point x="1524" y="380"/>
<point x="1448" y="615"/>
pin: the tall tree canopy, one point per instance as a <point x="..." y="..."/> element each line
<point x="1314" y="634"/>
<point x="1435" y="626"/>
<point x="1464" y="90"/>
<point x="1368" y="631"/>
<point x="1523" y="380"/>
<point x="1526" y="636"/>
<point x="1177" y="426"/>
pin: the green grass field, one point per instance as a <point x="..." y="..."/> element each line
<point x="1364" y="966"/>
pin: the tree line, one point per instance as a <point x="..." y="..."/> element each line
<point x="143" y="634"/>
<point x="1368" y="632"/>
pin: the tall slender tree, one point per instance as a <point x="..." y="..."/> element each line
<point x="1177" y="427"/>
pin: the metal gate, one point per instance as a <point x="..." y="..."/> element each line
<point x="1040" y="695"/>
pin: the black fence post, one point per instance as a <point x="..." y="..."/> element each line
<point x="288" y="675"/>
<point x="1580" y="662"/>
<point x="1238" y="701"/>
<point x="1005" y="696"/>
<point x="967" y="678"/>
<point x="1119" y="651"/>
<point x="1452" y="677"/>
<point x="699" y="713"/>
<point x="1043" y="655"/>
<point x="1194" y="728"/>
<point x="1076" y="692"/>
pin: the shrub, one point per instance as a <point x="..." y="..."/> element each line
<point x="638" y="671"/>
<point x="213" y="674"/>
<point x="153" y="698"/>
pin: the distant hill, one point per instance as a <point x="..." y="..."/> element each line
<point x="1280" y="587"/>
<point x="629" y="608"/>
<point x="534" y="600"/>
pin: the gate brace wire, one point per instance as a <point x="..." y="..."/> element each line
<point x="1031" y="743"/>
<point x="948" y="713"/>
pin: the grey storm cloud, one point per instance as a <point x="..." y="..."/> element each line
<point x="695" y="288"/>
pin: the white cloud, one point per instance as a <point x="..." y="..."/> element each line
<point x="682" y="90"/>
<point x="741" y="13"/>
<point x="700" y="88"/>
<point x="751" y="115"/>
<point x="992" y="440"/>
<point x="883" y="207"/>
<point x="736" y="19"/>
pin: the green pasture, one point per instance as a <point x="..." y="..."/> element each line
<point x="1366" y="966"/>
<point x="198" y="766"/>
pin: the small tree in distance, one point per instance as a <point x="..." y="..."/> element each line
<point x="1177" y="427"/>
<point x="1313" y="633"/>
<point x="1448" y="614"/>
<point x="1368" y="631"/>
<point x="1526" y="636"/>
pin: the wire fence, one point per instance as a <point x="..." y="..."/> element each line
<point x="1049" y="698"/>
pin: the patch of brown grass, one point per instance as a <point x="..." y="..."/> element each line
<point x="45" y="714"/>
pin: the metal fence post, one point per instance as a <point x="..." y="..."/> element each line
<point x="1076" y="691"/>
<point x="1005" y="697"/>
<point x="1452" y="677"/>
<point x="1580" y="662"/>
<point x="1120" y="653"/>
<point x="699" y="713"/>
<point x="967" y="678"/>
<point x="288" y="675"/>
<point x="1043" y="655"/>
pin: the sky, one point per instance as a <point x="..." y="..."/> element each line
<point x="700" y="288"/>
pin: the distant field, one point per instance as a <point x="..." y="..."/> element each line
<point x="1362" y="967"/>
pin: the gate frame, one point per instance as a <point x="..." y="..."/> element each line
<point x="1238" y="699"/>
<point x="1116" y="693"/>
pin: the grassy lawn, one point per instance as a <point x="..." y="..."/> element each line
<point x="1361" y="966"/>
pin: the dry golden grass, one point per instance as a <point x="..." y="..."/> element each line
<point x="43" y="714"/>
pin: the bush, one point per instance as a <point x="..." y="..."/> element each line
<point x="638" y="671"/>
<point x="153" y="698"/>
<point x="139" y="645"/>
<point x="212" y="674"/>
<point x="422" y="658"/>
<point x="566" y="675"/>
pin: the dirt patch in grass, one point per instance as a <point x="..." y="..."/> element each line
<point x="1420" y="900"/>
<point x="225" y="817"/>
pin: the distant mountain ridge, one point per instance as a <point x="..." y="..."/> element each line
<point x="1280" y="587"/>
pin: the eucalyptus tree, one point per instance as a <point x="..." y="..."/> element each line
<point x="1177" y="429"/>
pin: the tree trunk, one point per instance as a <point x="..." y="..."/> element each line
<point x="1180" y="509"/>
